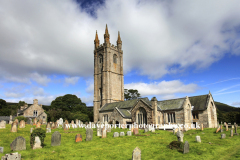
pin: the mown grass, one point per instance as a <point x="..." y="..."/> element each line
<point x="154" y="146"/>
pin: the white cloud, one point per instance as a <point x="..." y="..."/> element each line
<point x="163" y="89"/>
<point x="37" y="91"/>
<point x="40" y="79"/>
<point x="71" y="80"/>
<point x="236" y="104"/>
<point x="159" y="37"/>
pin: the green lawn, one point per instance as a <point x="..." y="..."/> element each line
<point x="152" y="147"/>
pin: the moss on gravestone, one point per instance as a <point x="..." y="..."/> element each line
<point x="41" y="133"/>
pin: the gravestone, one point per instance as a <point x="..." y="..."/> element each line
<point x="129" y="133"/>
<point x="14" y="127"/>
<point x="153" y="129"/>
<point x="48" y="130"/>
<point x="223" y="136"/>
<point x="89" y="134"/>
<point x="99" y="131"/>
<point x="53" y="126"/>
<point x="18" y="144"/>
<point x="135" y="131"/>
<point x="76" y="121"/>
<point x="115" y="134"/>
<point x="122" y="134"/>
<point x="2" y="124"/>
<point x="48" y="125"/>
<point x="22" y="124"/>
<point x="11" y="156"/>
<point x="186" y="147"/>
<point x="31" y="130"/>
<point x="104" y="133"/>
<point x="201" y="126"/>
<point x="78" y="138"/>
<point x="218" y="129"/>
<point x="231" y="132"/>
<point x="1" y="149"/>
<point x="221" y="130"/>
<point x="198" y="139"/>
<point x="145" y="130"/>
<point x="180" y="136"/>
<point x="35" y="121"/>
<point x="56" y="139"/>
<point x="136" y="155"/>
<point x="37" y="143"/>
<point x="65" y="126"/>
<point x="235" y="127"/>
<point x="60" y="121"/>
<point x="29" y="121"/>
<point x="226" y="127"/>
<point x="38" y="125"/>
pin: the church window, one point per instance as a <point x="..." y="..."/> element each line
<point x="100" y="58"/>
<point x="195" y="115"/>
<point x="114" y="58"/>
<point x="142" y="116"/>
<point x="171" y="117"/>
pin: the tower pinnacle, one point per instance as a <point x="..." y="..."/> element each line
<point x="106" y="35"/>
<point x="96" y="41"/>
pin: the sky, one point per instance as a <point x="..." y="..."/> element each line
<point x="171" y="48"/>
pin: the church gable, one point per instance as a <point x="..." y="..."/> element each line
<point x="199" y="102"/>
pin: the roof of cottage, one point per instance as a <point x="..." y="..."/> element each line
<point x="199" y="102"/>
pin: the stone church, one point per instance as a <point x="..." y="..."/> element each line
<point x="109" y="104"/>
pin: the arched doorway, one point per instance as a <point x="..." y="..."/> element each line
<point x="141" y="116"/>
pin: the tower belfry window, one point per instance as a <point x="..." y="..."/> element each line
<point x="100" y="58"/>
<point x="114" y="58"/>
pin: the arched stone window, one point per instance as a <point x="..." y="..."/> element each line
<point x="141" y="116"/>
<point x="114" y="58"/>
<point x="100" y="58"/>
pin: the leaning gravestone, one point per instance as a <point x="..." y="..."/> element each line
<point x="198" y="139"/>
<point x="11" y="156"/>
<point x="115" y="134"/>
<point x="186" y="147"/>
<point x="122" y="134"/>
<point x="78" y="138"/>
<point x="18" y="144"/>
<point x="1" y="149"/>
<point x="37" y="143"/>
<point x="89" y="134"/>
<point x="2" y="124"/>
<point x="223" y="136"/>
<point x="136" y="155"/>
<point x="56" y="139"/>
<point x="14" y="127"/>
<point x="129" y="133"/>
<point x="180" y="136"/>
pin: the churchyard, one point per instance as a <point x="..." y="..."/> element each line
<point x="153" y="145"/>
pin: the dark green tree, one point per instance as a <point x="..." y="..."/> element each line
<point x="131" y="94"/>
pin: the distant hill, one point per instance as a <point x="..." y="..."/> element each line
<point x="226" y="108"/>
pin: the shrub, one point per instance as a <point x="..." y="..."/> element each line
<point x="21" y="118"/>
<point x="41" y="133"/>
<point x="176" y="145"/>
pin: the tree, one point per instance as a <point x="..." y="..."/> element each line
<point x="3" y="104"/>
<point x="131" y="94"/>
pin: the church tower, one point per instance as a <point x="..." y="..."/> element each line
<point x="108" y="73"/>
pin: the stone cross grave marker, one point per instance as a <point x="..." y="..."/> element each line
<point x="89" y="134"/>
<point x="115" y="134"/>
<point x="136" y="155"/>
<point x="56" y="139"/>
<point x="78" y="138"/>
<point x="18" y="144"/>
<point x="37" y="143"/>
<point x="198" y="139"/>
<point x="186" y="147"/>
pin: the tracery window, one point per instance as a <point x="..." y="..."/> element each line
<point x="114" y="58"/>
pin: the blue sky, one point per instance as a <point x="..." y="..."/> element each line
<point x="171" y="49"/>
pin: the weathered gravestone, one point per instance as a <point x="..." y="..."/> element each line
<point x="18" y="144"/>
<point x="223" y="136"/>
<point x="129" y="133"/>
<point x="104" y="133"/>
<point x="77" y="122"/>
<point x="122" y="134"/>
<point x="115" y="134"/>
<point x="153" y="129"/>
<point x="48" y="130"/>
<point x="14" y="127"/>
<point x="53" y="126"/>
<point x="29" y="121"/>
<point x="136" y="155"/>
<point x="186" y="147"/>
<point x="37" y="143"/>
<point x="226" y="127"/>
<point x="48" y="125"/>
<point x="135" y="131"/>
<point x="198" y="139"/>
<point x="56" y="139"/>
<point x="22" y="124"/>
<point x="1" y="149"/>
<point x="180" y="136"/>
<point x="11" y="156"/>
<point x="31" y="130"/>
<point x="2" y="124"/>
<point x="99" y="131"/>
<point x="78" y="138"/>
<point x="145" y="130"/>
<point x="231" y="132"/>
<point x="89" y="134"/>
<point x="218" y="129"/>
<point x="235" y="127"/>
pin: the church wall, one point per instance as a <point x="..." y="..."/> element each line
<point x="101" y="116"/>
<point x="148" y="110"/>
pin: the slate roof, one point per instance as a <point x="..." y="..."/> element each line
<point x="125" y="113"/>
<point x="123" y="104"/>
<point x="199" y="102"/>
<point x="171" y="104"/>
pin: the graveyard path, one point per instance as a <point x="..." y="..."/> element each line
<point x="231" y="153"/>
